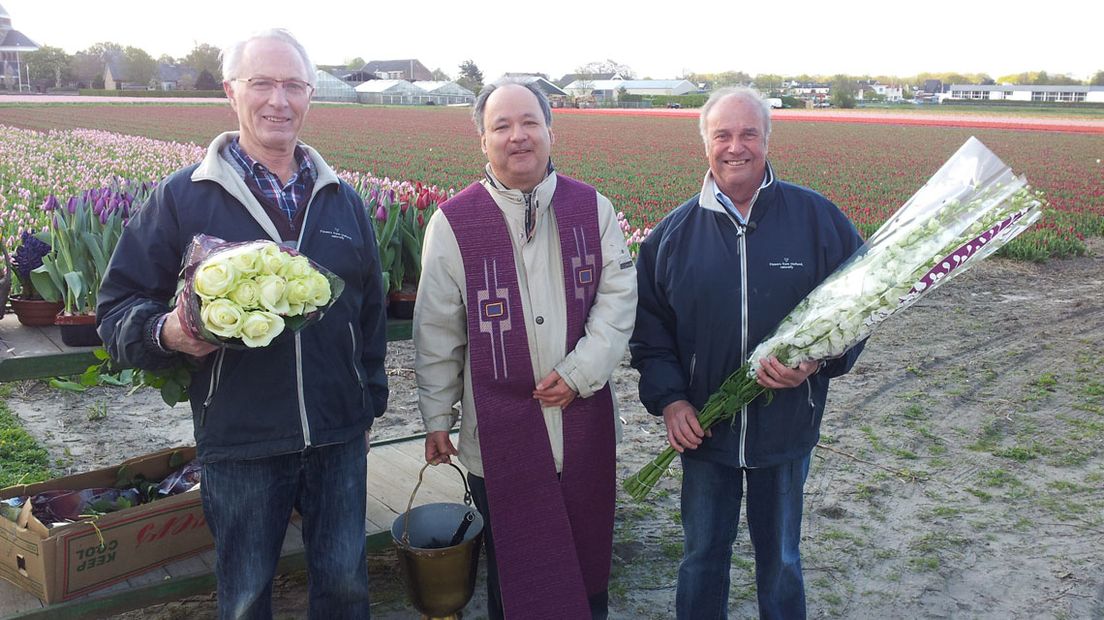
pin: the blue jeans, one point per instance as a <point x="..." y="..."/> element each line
<point x="248" y="505"/>
<point x="711" y="494"/>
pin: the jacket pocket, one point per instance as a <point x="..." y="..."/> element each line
<point x="213" y="386"/>
<point x="356" y="367"/>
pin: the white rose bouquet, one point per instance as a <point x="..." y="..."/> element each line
<point x="971" y="207"/>
<point x="247" y="293"/>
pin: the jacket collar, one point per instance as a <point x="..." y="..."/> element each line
<point x="708" y="200"/>
<point x="216" y="169"/>
<point x="541" y="194"/>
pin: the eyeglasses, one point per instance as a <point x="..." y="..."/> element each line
<point x="264" y="86"/>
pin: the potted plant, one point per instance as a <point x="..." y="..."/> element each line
<point x="29" y="306"/>
<point x="82" y="235"/>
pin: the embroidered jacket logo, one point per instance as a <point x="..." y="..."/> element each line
<point x="786" y="264"/>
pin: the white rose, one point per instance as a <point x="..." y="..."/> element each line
<point x="245" y="259"/>
<point x="296" y="267"/>
<point x="246" y="294"/>
<point x="272" y="289"/>
<point x="319" y="289"/>
<point x="271" y="259"/>
<point x="260" y="327"/>
<point x="214" y="278"/>
<point x="222" y="317"/>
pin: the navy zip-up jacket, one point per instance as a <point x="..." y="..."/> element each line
<point x="712" y="289"/>
<point x="322" y="385"/>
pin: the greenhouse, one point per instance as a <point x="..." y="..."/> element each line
<point x="391" y="92"/>
<point x="327" y="87"/>
<point x="447" y="93"/>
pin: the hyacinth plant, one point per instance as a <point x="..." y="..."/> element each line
<point x="28" y="257"/>
<point x="968" y="210"/>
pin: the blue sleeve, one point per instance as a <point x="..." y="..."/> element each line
<point x="139" y="283"/>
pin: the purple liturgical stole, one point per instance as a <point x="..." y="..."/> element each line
<point x="553" y="534"/>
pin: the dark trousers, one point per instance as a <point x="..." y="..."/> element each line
<point x="599" y="603"/>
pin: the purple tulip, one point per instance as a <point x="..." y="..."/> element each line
<point x="71" y="206"/>
<point x="103" y="217"/>
<point x="381" y="214"/>
<point x="50" y="204"/>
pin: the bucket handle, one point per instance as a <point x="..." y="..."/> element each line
<point x="410" y="504"/>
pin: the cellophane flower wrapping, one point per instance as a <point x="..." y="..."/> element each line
<point x="971" y="207"/>
<point x="245" y="294"/>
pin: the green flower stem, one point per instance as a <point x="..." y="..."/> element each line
<point x="735" y="393"/>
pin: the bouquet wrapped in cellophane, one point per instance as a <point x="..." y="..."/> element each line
<point x="244" y="294"/>
<point x="971" y="207"/>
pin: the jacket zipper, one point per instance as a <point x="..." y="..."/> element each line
<point x="299" y="390"/>
<point x="743" y="340"/>
<point x="298" y="341"/>
<point x="216" y="374"/>
<point x="742" y="249"/>
<point x="693" y="363"/>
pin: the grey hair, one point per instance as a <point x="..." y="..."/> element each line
<point x="740" y="92"/>
<point x="531" y="86"/>
<point x="232" y="55"/>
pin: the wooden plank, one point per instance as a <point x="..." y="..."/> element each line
<point x="156" y="575"/>
<point x="14" y="598"/>
<point x="22" y="341"/>
<point x="399" y="329"/>
<point x="195" y="565"/>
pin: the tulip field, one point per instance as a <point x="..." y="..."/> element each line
<point x="645" y="164"/>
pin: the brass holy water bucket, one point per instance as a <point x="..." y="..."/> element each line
<point x="438" y="550"/>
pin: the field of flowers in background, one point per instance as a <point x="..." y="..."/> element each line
<point x="645" y="164"/>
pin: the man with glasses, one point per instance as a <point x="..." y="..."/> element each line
<point x="284" y="426"/>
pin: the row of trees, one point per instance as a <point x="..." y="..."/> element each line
<point x="53" y="67"/>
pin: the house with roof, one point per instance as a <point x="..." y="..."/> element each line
<point x="115" y="77"/>
<point x="571" y="77"/>
<point x="175" y="77"/>
<point x="446" y="93"/>
<point x="13" y="44"/>
<point x="1027" y="93"/>
<point x="548" y="87"/>
<point x="409" y="69"/>
<point x="391" y="92"/>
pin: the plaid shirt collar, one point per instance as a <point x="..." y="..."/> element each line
<point x="291" y="195"/>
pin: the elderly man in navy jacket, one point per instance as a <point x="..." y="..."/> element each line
<point x="715" y="277"/>
<point x="282" y="426"/>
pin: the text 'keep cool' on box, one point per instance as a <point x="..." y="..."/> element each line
<point x="64" y="562"/>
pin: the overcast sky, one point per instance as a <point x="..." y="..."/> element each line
<point x="787" y="37"/>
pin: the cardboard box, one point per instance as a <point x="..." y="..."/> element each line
<point x="64" y="562"/>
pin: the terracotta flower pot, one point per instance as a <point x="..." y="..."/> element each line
<point x="400" y="304"/>
<point x="35" y="312"/>
<point x="78" y="330"/>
